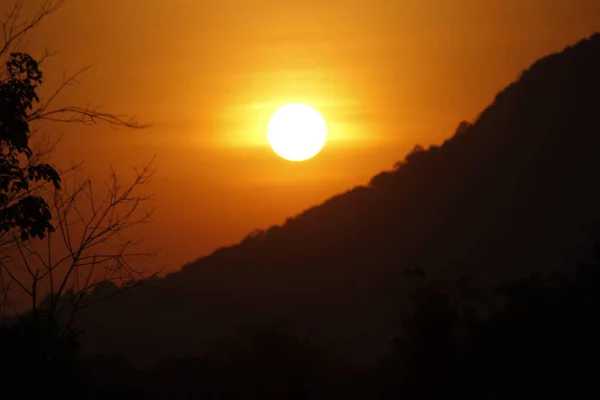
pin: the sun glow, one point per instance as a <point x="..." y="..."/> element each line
<point x="296" y="132"/>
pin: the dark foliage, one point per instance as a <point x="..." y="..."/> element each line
<point x="21" y="210"/>
<point x="536" y="336"/>
<point x="256" y="362"/>
<point x="36" y="359"/>
<point x="540" y="340"/>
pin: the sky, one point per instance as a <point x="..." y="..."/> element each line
<point x="207" y="75"/>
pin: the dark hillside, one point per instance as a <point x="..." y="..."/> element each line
<point x="516" y="189"/>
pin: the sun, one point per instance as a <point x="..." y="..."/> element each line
<point x="296" y="132"/>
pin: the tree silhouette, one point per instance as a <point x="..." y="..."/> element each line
<point x="535" y="335"/>
<point x="34" y="200"/>
<point x="59" y="237"/>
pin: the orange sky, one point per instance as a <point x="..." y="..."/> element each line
<point x="386" y="75"/>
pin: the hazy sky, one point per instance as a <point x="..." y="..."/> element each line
<point x="386" y="75"/>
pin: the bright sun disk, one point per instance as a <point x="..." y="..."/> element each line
<point x="296" y="132"/>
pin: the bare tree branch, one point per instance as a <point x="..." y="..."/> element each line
<point x="91" y="244"/>
<point x="85" y="115"/>
<point x="94" y="245"/>
<point x="14" y="27"/>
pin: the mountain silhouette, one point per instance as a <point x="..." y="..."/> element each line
<point x="512" y="191"/>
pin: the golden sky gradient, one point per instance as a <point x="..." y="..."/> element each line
<point x="386" y="75"/>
